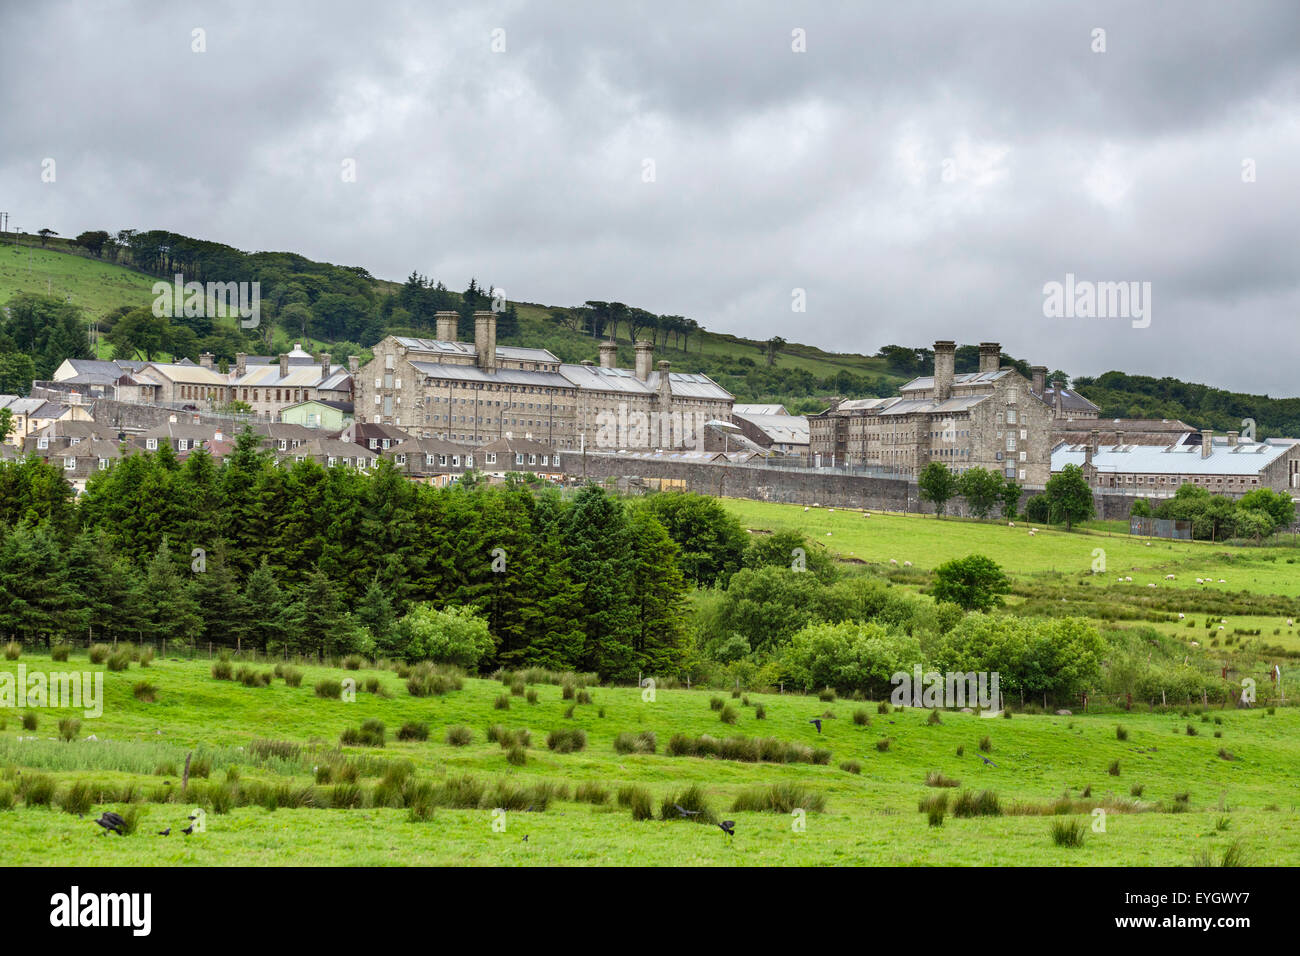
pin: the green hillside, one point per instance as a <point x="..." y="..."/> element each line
<point x="345" y="309"/>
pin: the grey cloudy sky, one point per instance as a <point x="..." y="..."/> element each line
<point x="921" y="170"/>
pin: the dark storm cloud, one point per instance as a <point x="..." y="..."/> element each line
<point x="921" y="171"/>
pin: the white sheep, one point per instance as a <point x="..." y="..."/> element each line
<point x="1200" y="580"/>
<point x="907" y="564"/>
<point x="1181" y="616"/>
<point x="893" y="561"/>
<point x="1221" y="581"/>
<point x="1128" y="579"/>
<point x="1011" y="524"/>
<point x="1169" y="577"/>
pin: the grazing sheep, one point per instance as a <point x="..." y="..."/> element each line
<point x="893" y="561"/>
<point x="1128" y="579"/>
<point x="1180" y="617"/>
<point x="1011" y="524"/>
<point x="907" y="564"/>
<point x="1200" y="580"/>
<point x="1169" y="577"/>
<point x="1221" y="581"/>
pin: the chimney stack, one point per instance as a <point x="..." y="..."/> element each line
<point x="665" y="387"/>
<point x="1207" y="442"/>
<point x="354" y="364"/>
<point x="241" y="364"/>
<point x="608" y="355"/>
<point x="644" y="357"/>
<point x="990" y="356"/>
<point x="1094" y="447"/>
<point x="485" y="340"/>
<point x="1058" y="396"/>
<point x="1039" y="372"/>
<point x="284" y="365"/>
<point x="324" y="364"/>
<point x="1232" y="439"/>
<point x="446" y="322"/>
<point x="945" y="357"/>
<point x="206" y="360"/>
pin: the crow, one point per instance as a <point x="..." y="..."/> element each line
<point x="817" y="721"/>
<point x="188" y="830"/>
<point x="987" y="760"/>
<point x="684" y="813"/>
<point x="167" y="832"/>
<point x="111" y="822"/>
<point x="525" y="839"/>
<point x="728" y="827"/>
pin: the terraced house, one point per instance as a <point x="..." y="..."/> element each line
<point x="473" y="393"/>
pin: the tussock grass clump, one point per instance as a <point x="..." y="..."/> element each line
<point x="933" y="718"/>
<point x="693" y="801"/>
<point x="145" y="692"/>
<point x="30" y="720"/>
<point x="936" y="779"/>
<point x="421" y="798"/>
<point x="372" y="685"/>
<point x="413" y="730"/>
<point x="146" y="657"/>
<point x="329" y="689"/>
<point x="1068" y="833"/>
<point x="517" y="687"/>
<point x="69" y="727"/>
<point x="884" y="707"/>
<point x="36" y="789"/>
<point x="500" y="734"/>
<point x="961" y="750"/>
<point x="983" y="803"/>
<point x="1113" y="769"/>
<point x="264" y="749"/>
<point x="986" y="745"/>
<point x="883" y="744"/>
<point x="760" y="712"/>
<point x="861" y="718"/>
<point x="1120" y="732"/>
<point x="1232" y="855"/>
<point x="60" y="652"/>
<point x="566" y="740"/>
<point x="78" y="798"/>
<point x="779" y="798"/>
<point x="1191" y="731"/>
<point x="935" y="816"/>
<point x="826" y="695"/>
<point x="119" y="660"/>
<point x="459" y="736"/>
<point x="630" y="743"/>
<point x="582" y="697"/>
<point x="516" y="756"/>
<point x="13" y="650"/>
<point x="716" y="703"/>
<point x="201" y="766"/>
<point x="433" y="680"/>
<point x="369" y="734"/>
<point x="347" y="796"/>
<point x="502" y="702"/>
<point x="637" y="799"/>
<point x="589" y="792"/>
<point x="1226" y="754"/>
<point x="728" y="714"/>
<point x="933" y="800"/>
<point x="6" y="797"/>
<point x="568" y="688"/>
<point x="98" y="653"/>
<point x="531" y="696"/>
<point x="851" y="766"/>
<point x="1136" y="790"/>
<point x="352" y="662"/>
<point x="292" y="676"/>
<point x="222" y="670"/>
<point x="746" y="749"/>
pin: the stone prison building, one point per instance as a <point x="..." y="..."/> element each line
<point x="475" y="392"/>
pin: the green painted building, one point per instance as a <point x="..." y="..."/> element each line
<point x="330" y="416"/>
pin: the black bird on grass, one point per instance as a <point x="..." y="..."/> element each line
<point x="188" y="830"/>
<point x="167" y="832"/>
<point x="817" y="721"/>
<point x="684" y="813"/>
<point x="728" y="827"/>
<point x="525" y="839"/>
<point x="111" y="822"/>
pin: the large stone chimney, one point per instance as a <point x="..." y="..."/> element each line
<point x="206" y="360"/>
<point x="284" y="365"/>
<point x="1058" y="396"/>
<point x="608" y="355"/>
<point x="990" y="356"/>
<point x="1094" y="447"/>
<point x="665" y="388"/>
<point x="485" y="340"/>
<point x="354" y="364"/>
<point x="446" y="322"/>
<point x="1207" y="442"/>
<point x="1232" y="439"/>
<point x="324" y="364"/>
<point x="645" y="353"/>
<point x="945" y="357"/>
<point x="1039" y="372"/>
<point x="241" y="364"/>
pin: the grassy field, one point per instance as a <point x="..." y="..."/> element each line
<point x="869" y="817"/>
